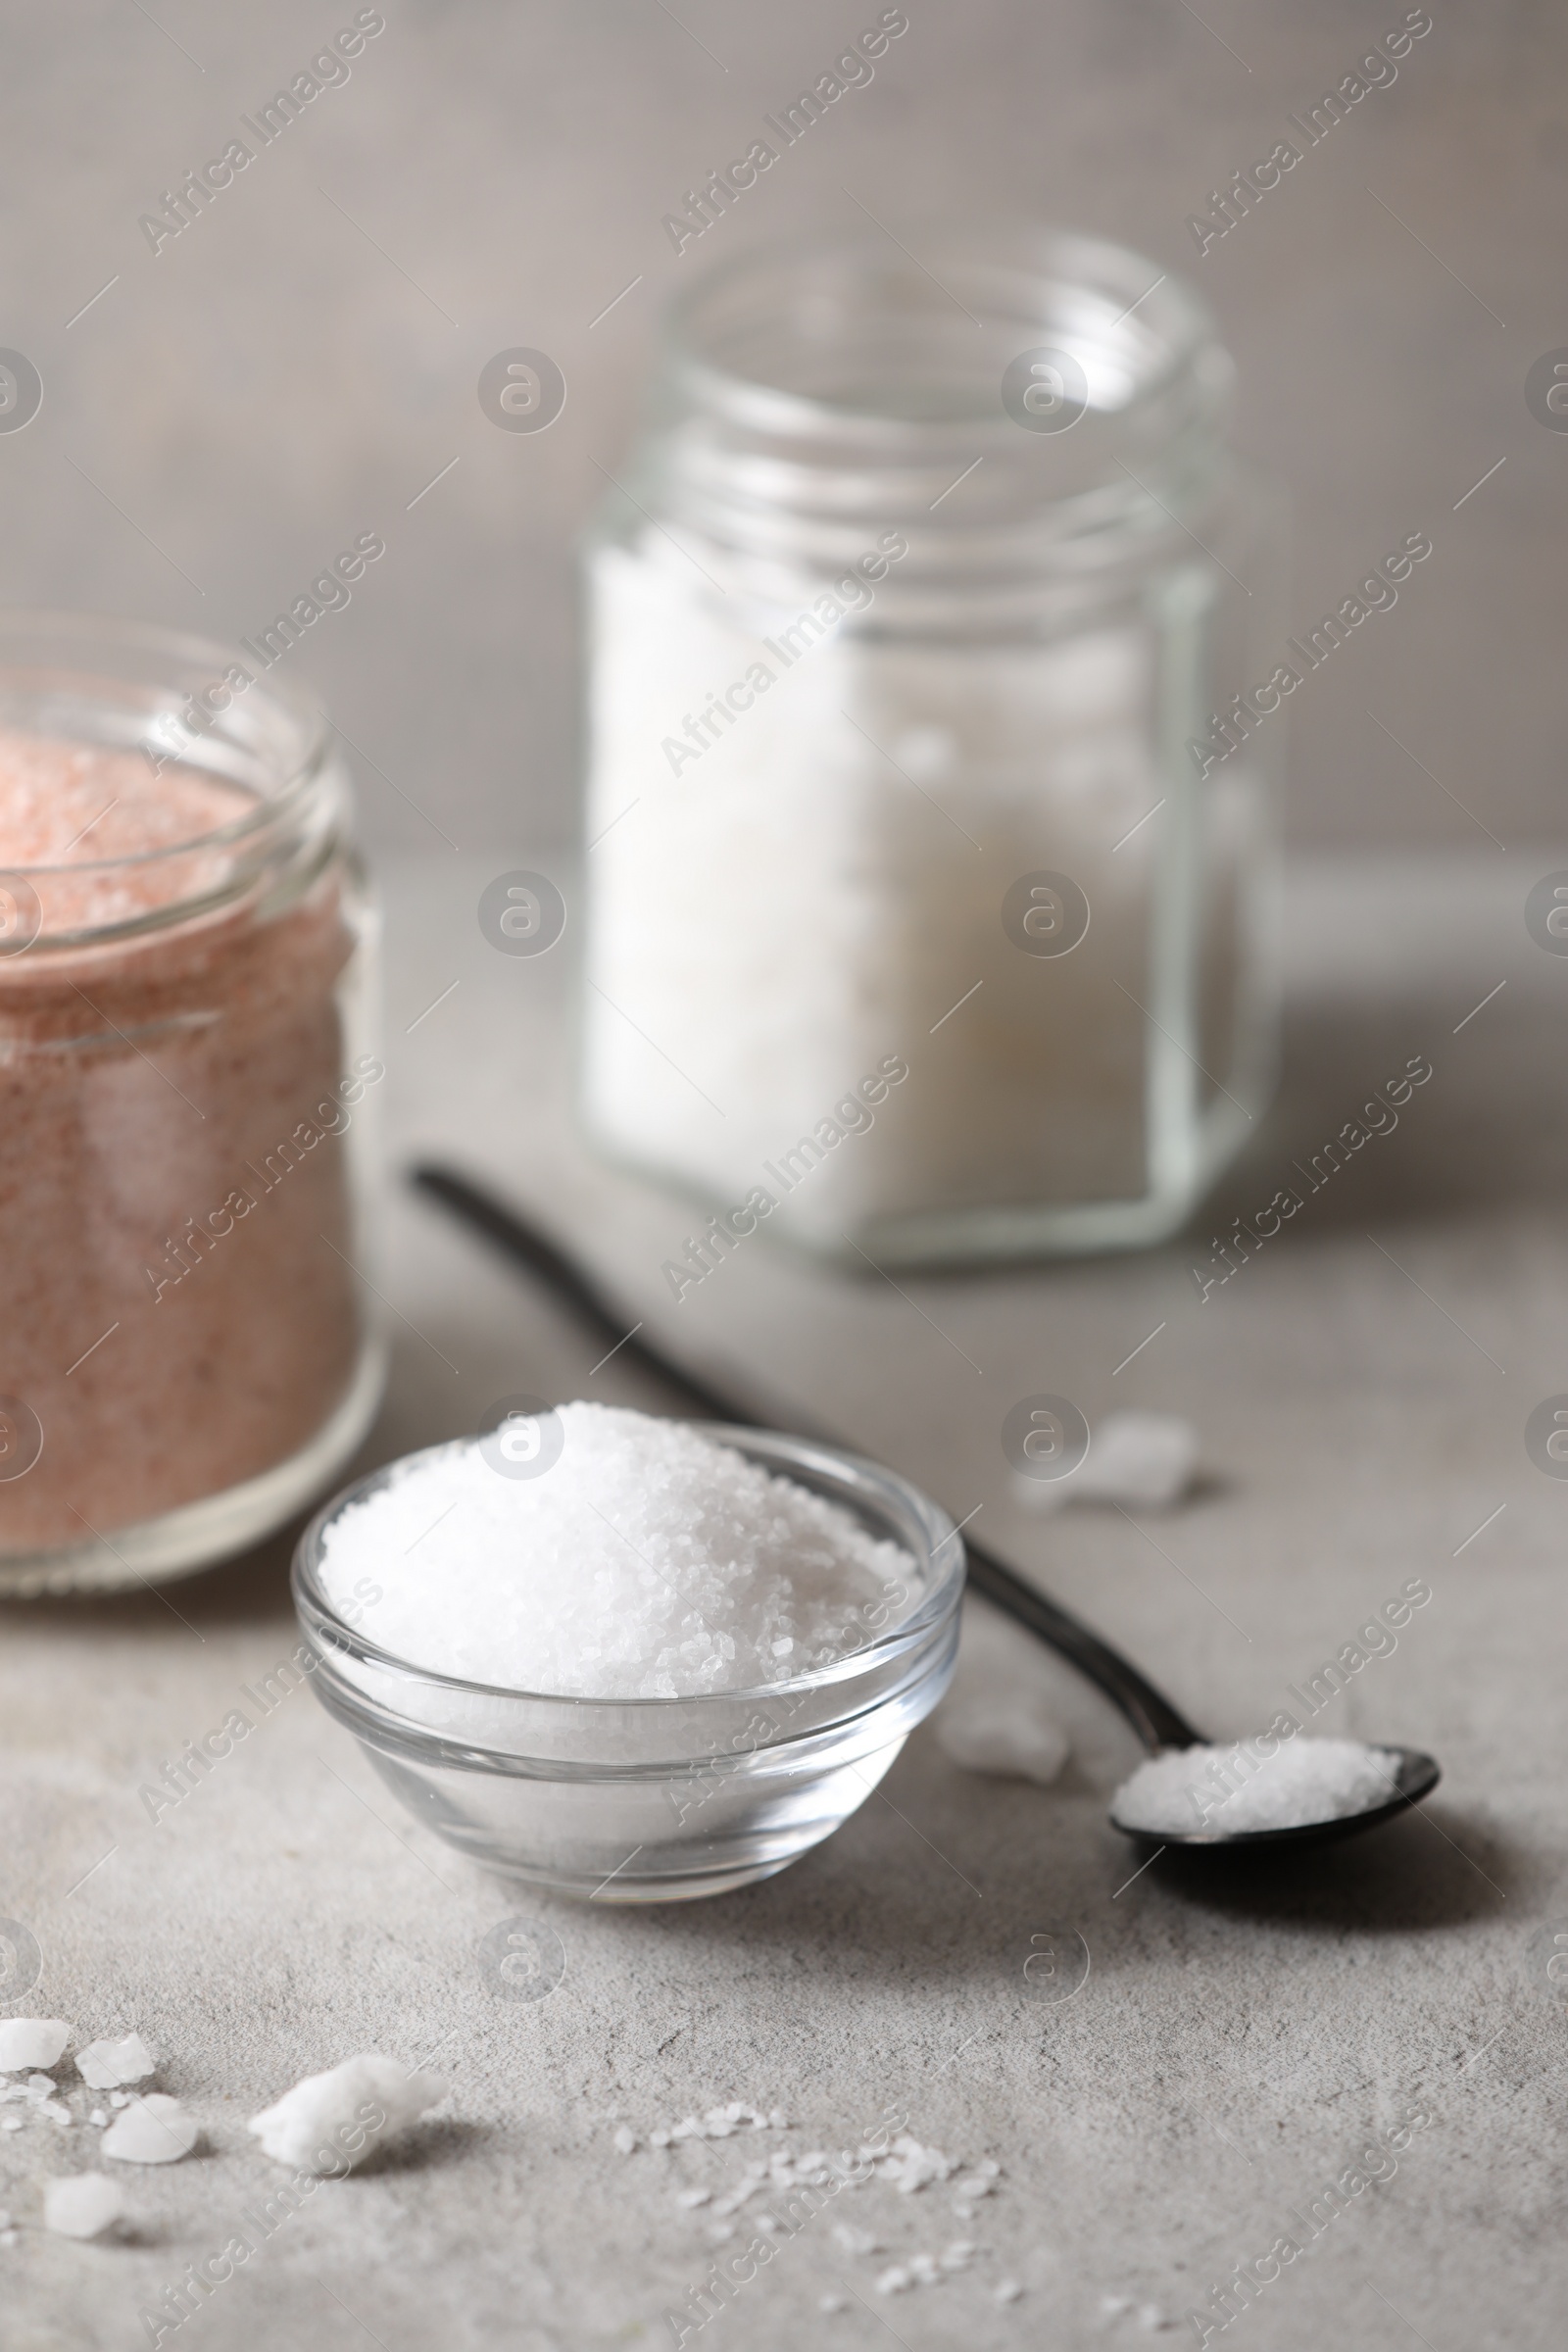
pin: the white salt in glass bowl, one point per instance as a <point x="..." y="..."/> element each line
<point x="642" y="1801"/>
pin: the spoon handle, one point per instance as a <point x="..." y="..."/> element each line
<point x="1150" y="1714"/>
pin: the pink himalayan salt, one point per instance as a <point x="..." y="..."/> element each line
<point x="143" y="1083"/>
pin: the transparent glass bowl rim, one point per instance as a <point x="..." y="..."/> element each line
<point x="902" y="1508"/>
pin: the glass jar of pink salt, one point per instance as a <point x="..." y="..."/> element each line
<point x="187" y="1084"/>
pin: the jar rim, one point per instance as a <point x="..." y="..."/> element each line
<point x="199" y="655"/>
<point x="116" y="685"/>
<point x="1174" y="329"/>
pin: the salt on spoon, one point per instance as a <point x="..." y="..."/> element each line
<point x="1233" y="1791"/>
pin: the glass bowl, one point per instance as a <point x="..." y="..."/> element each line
<point x="642" y="1801"/>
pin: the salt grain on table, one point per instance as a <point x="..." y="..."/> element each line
<point x="155" y="2130"/>
<point x="1142" y="1461"/>
<point x="105" y="2065"/>
<point x="84" y="2205"/>
<point x="31" y="2041"/>
<point x="1012" y="1739"/>
<point x="324" y="2124"/>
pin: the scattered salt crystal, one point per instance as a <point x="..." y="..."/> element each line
<point x="10" y="2123"/>
<point x="102" y="2065"/>
<point x="119" y="2098"/>
<point x="1112" y="2306"/>
<point x="38" y="2088"/>
<point x="1010" y="1738"/>
<point x="958" y="2256"/>
<point x="719" y="2123"/>
<point x="720" y="2233"/>
<point x="1142" y="1461"/>
<point x="893" y="2279"/>
<point x="98" y="2120"/>
<point x="31" y="2041"/>
<point x="976" y="2185"/>
<point x="155" y="2130"/>
<point x="55" y="2111"/>
<point x="693" y="2196"/>
<point x="1304" y="1781"/>
<point x="82" y="2206"/>
<point x="855" y="2240"/>
<point x="911" y="2167"/>
<point x="1150" y="2316"/>
<point x="1007" y="2290"/>
<point x="625" y="2139"/>
<point x="832" y="2303"/>
<point x="330" y="2122"/>
<point x="8" y="2237"/>
<point x="646" y="1561"/>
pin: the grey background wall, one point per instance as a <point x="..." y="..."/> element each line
<point x="295" y="366"/>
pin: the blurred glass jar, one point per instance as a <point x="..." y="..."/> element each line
<point x="186" y="1078"/>
<point x="930" y="899"/>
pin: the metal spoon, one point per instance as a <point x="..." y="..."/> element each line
<point x="1158" y="1725"/>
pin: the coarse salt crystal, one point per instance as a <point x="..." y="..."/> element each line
<point x="911" y="2167"/>
<point x="693" y="2196"/>
<point x="10" y="2123"/>
<point x="155" y="2130"/>
<point x="1302" y="1781"/>
<point x="832" y="2303"/>
<point x="82" y="2206"/>
<point x="855" y="2240"/>
<point x="625" y="2139"/>
<point x="1112" y="2306"/>
<point x="893" y="2279"/>
<point x="104" y="2064"/>
<point x="31" y="2041"/>
<point x="646" y="1561"/>
<point x="1007" y="2290"/>
<point x="330" y="2122"/>
<point x="119" y="2098"/>
<point x="1012" y="1739"/>
<point x="1141" y="1461"/>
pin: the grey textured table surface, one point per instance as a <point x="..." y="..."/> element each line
<point x="1362" y="1392"/>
